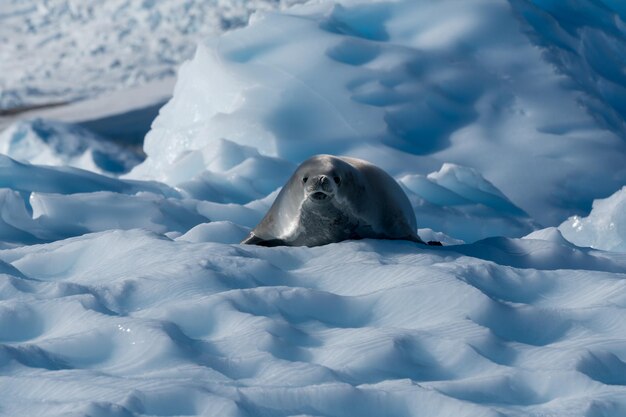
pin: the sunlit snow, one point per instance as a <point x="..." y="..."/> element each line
<point x="124" y="290"/>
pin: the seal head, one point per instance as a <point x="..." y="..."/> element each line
<point x="320" y="188"/>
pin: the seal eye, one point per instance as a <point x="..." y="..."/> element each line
<point x="305" y="179"/>
<point x="337" y="180"/>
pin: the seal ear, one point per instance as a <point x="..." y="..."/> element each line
<point x="253" y="239"/>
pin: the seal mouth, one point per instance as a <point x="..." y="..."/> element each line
<point x="319" y="196"/>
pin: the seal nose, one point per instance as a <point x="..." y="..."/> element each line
<point x="323" y="181"/>
<point x="320" y="183"/>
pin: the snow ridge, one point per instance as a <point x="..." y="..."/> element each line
<point x="290" y="332"/>
<point x="130" y="296"/>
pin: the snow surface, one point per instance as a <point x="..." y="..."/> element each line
<point x="124" y="323"/>
<point x="51" y="142"/>
<point x="98" y="46"/>
<point x="130" y="296"/>
<point x="369" y="80"/>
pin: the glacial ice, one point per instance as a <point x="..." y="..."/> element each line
<point x="467" y="100"/>
<point x="604" y="228"/>
<point x="48" y="142"/>
<point x="130" y="296"/>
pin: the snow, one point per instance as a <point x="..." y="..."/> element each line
<point x="604" y="228"/>
<point x="102" y="46"/>
<point x="132" y="323"/>
<point x="124" y="290"/>
<point x="471" y="102"/>
<point x="48" y="142"/>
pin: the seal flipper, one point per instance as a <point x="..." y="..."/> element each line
<point x="253" y="239"/>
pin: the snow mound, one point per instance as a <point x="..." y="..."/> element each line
<point x="217" y="231"/>
<point x="587" y="41"/>
<point x="604" y="228"/>
<point x="414" y="85"/>
<point x="131" y="323"/>
<point x="48" y="142"/>
<point x="469" y="184"/>
<point x="458" y="201"/>
<point x="41" y="204"/>
<point x="131" y="297"/>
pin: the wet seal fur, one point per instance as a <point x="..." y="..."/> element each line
<point x="329" y="199"/>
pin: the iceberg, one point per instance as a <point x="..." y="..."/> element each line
<point x="129" y="295"/>
<point x="604" y="228"/>
<point x="409" y="86"/>
<point x="49" y="142"/>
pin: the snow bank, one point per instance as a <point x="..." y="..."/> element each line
<point x="42" y="204"/>
<point x="173" y="317"/>
<point x="604" y="228"/>
<point x="130" y="323"/>
<point x="408" y="85"/>
<point x="458" y="201"/>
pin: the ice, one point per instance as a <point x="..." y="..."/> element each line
<point x="105" y="210"/>
<point x="129" y="295"/>
<point x="26" y="177"/>
<point x="459" y="202"/>
<point x="41" y="203"/>
<point x="604" y="228"/>
<point x="216" y="231"/>
<point x="129" y="320"/>
<point x="89" y="49"/>
<point x="586" y="41"/>
<point x="48" y="142"/>
<point x="468" y="183"/>
<point x="466" y="101"/>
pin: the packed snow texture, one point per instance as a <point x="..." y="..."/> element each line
<point x="130" y="323"/>
<point x="56" y="51"/>
<point x="130" y="295"/>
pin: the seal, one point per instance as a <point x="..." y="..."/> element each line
<point x="330" y="199"/>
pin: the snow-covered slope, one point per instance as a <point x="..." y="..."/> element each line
<point x="587" y="41"/>
<point x="132" y="323"/>
<point x="132" y="297"/>
<point x="408" y="85"/>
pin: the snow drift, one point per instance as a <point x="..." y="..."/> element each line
<point x="413" y="86"/>
<point x="132" y="297"/>
<point x="57" y="51"/>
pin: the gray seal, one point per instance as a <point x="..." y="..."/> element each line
<point x="330" y="199"/>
